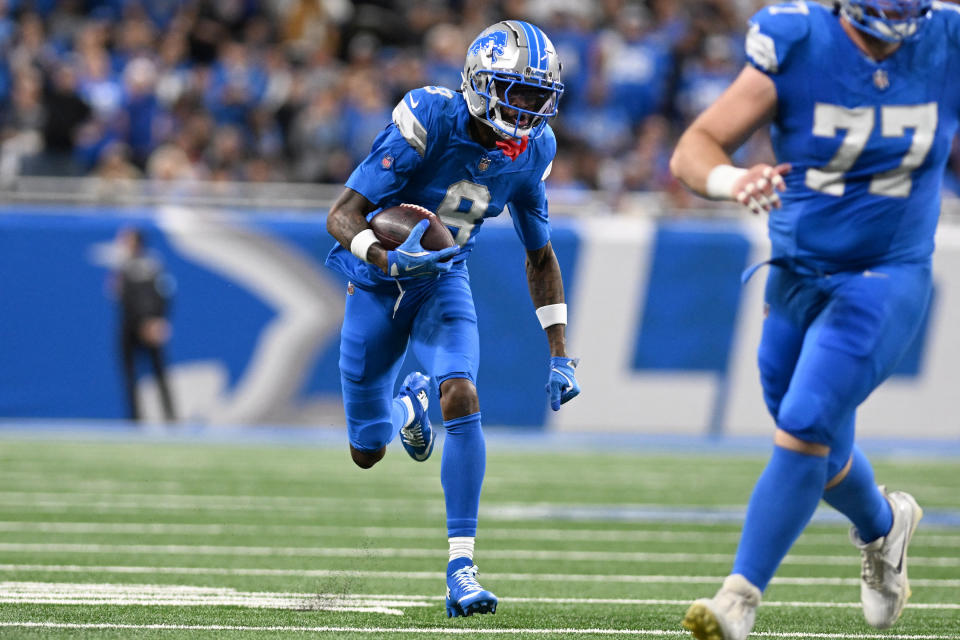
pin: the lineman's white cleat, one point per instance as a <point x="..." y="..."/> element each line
<point x="729" y="615"/>
<point x="883" y="574"/>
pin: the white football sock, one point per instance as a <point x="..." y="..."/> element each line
<point x="462" y="547"/>
<point x="408" y="405"/>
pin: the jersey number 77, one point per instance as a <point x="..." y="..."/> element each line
<point x="859" y="123"/>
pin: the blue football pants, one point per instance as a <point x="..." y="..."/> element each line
<point x="829" y="341"/>
<point x="436" y="319"/>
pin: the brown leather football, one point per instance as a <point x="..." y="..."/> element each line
<point x="393" y="224"/>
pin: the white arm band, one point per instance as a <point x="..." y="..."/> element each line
<point x="721" y="179"/>
<point x="361" y="243"/>
<point x="552" y="314"/>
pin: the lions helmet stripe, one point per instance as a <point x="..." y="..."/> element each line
<point x="541" y="48"/>
<point x="533" y="58"/>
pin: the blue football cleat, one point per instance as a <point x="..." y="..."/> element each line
<point x="417" y="437"/>
<point x="465" y="596"/>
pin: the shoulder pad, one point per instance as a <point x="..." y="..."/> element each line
<point x="950" y="14"/>
<point x="773" y="32"/>
<point x="420" y="112"/>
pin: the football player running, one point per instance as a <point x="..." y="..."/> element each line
<point x="862" y="101"/>
<point x="464" y="155"/>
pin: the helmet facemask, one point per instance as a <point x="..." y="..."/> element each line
<point x="888" y="20"/>
<point x="516" y="106"/>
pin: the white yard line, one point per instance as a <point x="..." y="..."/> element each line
<point x="439" y="576"/>
<point x="430" y="504"/>
<point x="393" y="552"/>
<point x="185" y="595"/>
<point x="81" y="498"/>
<point x="458" y="631"/>
<point x="221" y="602"/>
<point x="544" y="534"/>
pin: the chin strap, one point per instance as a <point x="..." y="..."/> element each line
<point x="511" y="148"/>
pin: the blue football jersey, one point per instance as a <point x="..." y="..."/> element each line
<point x="867" y="140"/>
<point x="427" y="157"/>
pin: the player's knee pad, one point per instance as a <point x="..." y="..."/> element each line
<point x="368" y="412"/>
<point x="808" y="415"/>
<point x="370" y="435"/>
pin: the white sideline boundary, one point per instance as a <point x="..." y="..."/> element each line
<point x="457" y="631"/>
<point x="393" y="552"/>
<point x="440" y="576"/>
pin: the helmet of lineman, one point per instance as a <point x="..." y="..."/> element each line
<point x="511" y="79"/>
<point x="888" y="20"/>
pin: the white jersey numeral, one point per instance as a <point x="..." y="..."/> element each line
<point x="858" y="123"/>
<point x="451" y="208"/>
<point x="922" y="119"/>
<point x="443" y="91"/>
<point x="827" y="120"/>
<point x="793" y="7"/>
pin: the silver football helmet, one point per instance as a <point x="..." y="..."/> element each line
<point x="511" y="79"/>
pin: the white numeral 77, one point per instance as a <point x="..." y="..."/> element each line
<point x="858" y="123"/>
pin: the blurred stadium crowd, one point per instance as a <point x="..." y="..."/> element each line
<point x="296" y="90"/>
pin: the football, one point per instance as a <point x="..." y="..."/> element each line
<point x="393" y="225"/>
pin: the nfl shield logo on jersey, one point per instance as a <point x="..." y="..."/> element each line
<point x="484" y="163"/>
<point x="881" y="80"/>
<point x="387" y="161"/>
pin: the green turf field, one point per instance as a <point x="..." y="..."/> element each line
<point x="103" y="539"/>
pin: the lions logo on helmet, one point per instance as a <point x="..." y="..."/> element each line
<point x="511" y="79"/>
<point x="888" y="20"/>
<point x="491" y="44"/>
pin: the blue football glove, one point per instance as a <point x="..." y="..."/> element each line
<point x="411" y="259"/>
<point x="562" y="384"/>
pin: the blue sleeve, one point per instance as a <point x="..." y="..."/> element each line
<point x="384" y="173"/>
<point x="398" y="151"/>
<point x="773" y="33"/>
<point x="530" y="218"/>
<point x="528" y="206"/>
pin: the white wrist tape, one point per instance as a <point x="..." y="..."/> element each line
<point x="552" y="314"/>
<point x="721" y="179"/>
<point x="361" y="243"/>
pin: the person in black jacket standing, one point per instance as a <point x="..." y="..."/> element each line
<point x="144" y="292"/>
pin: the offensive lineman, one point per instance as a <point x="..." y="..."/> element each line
<point x="863" y="103"/>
